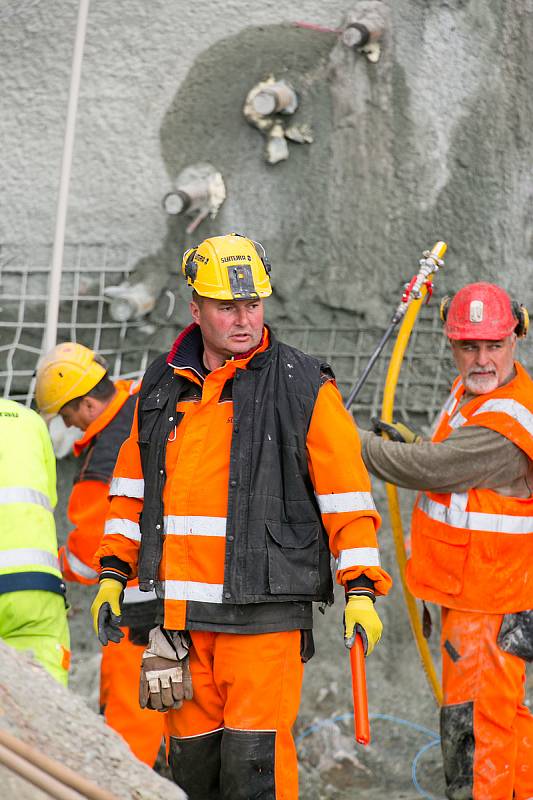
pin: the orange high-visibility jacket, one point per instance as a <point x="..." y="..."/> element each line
<point x="89" y="501"/>
<point x="195" y="496"/>
<point x="473" y="550"/>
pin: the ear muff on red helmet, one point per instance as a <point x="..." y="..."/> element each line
<point x="443" y="308"/>
<point x="520" y="313"/>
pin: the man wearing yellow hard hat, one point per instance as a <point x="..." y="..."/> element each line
<point x="73" y="382"/>
<point x="231" y="493"/>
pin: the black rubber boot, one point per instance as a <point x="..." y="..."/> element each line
<point x="195" y="765"/>
<point x="457" y="745"/>
<point x="247" y="768"/>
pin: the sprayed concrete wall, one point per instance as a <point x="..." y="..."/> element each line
<point x="433" y="141"/>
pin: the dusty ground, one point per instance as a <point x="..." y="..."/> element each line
<point x="45" y="715"/>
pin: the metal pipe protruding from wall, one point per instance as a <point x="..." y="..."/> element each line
<point x="364" y="28"/>
<point x="130" y="301"/>
<point x="176" y="202"/>
<point x="355" y="35"/>
<point x="277" y="98"/>
<point x="199" y="189"/>
<point x="264" y="102"/>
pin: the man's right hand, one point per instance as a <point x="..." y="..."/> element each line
<point x="106" y="611"/>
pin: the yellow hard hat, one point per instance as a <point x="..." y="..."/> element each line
<point x="68" y="371"/>
<point x="228" y="267"/>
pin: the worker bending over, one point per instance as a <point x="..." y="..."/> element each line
<point x="231" y="493"/>
<point x="33" y="613"/>
<point x="472" y="543"/>
<point x="73" y="381"/>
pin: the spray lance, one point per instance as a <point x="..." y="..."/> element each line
<point x="417" y="288"/>
<point x="420" y="287"/>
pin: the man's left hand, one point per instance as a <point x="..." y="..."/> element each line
<point x="361" y="617"/>
<point x="396" y="431"/>
<point x="165" y="675"/>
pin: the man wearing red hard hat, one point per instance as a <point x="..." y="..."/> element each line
<point x="472" y="542"/>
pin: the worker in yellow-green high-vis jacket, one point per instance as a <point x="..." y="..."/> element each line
<point x="32" y="593"/>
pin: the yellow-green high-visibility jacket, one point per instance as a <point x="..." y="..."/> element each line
<point x="28" y="542"/>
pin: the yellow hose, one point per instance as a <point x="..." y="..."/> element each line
<point x="387" y="410"/>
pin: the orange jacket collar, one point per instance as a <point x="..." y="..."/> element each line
<point x="231" y="365"/>
<point x="124" y="390"/>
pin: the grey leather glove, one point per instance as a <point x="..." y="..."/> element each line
<point x="165" y="675"/>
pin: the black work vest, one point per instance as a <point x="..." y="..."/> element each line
<point x="276" y="545"/>
<point x="98" y="461"/>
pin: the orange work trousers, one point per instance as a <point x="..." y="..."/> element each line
<point x="120" y="671"/>
<point x="486" y="730"/>
<point x="233" y="740"/>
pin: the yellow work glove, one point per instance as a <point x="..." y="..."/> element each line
<point x="106" y="611"/>
<point x="361" y="617"/>
<point x="396" y="431"/>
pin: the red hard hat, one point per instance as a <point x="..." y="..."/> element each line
<point x="480" y="311"/>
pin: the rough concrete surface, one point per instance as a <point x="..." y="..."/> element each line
<point x="433" y="141"/>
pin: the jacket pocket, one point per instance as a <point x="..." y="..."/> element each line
<point x="293" y="556"/>
<point x="150" y="413"/>
<point x="439" y="558"/>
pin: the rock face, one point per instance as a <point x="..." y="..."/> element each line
<point x="432" y="141"/>
<point x="45" y="715"/>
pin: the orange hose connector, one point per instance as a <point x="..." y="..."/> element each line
<point x="360" y="700"/>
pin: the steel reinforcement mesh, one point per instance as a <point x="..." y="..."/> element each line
<point x="129" y="346"/>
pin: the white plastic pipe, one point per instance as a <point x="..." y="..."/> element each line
<point x="50" y="334"/>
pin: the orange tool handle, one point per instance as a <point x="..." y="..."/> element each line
<point x="360" y="700"/>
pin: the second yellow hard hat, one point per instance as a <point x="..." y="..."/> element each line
<point x="68" y="371"/>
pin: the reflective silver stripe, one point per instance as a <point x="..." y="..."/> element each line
<point x="27" y="557"/>
<point x="193" y="590"/>
<point x="457" y="420"/>
<point x="512" y="408"/>
<point x="127" y="487"/>
<point x="359" y="557"/>
<point x="345" y="501"/>
<point x="447" y="409"/>
<point x="132" y="594"/>
<point x="21" y="494"/>
<point x="79" y="566"/>
<point x="450" y="403"/>
<point x="124" y="527"/>
<point x="455" y="517"/>
<point x="195" y="526"/>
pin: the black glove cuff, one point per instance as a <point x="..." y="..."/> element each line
<point x="361" y="582"/>
<point x="362" y="593"/>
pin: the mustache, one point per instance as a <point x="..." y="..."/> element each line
<point x="474" y="372"/>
